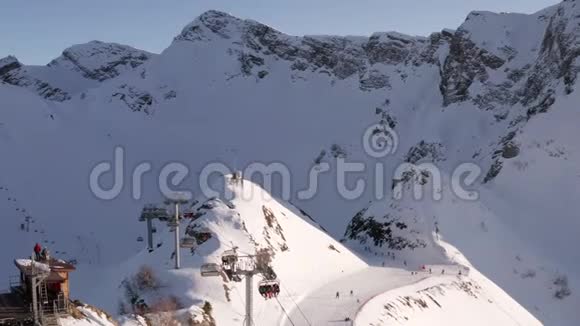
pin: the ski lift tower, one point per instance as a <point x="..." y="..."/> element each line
<point x="149" y="213"/>
<point x="236" y="266"/>
<point x="177" y="200"/>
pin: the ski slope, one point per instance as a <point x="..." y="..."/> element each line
<point x="304" y="256"/>
<point x="443" y="300"/>
<point x="394" y="296"/>
<point x="321" y="307"/>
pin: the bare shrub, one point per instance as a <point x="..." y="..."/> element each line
<point x="206" y="319"/>
<point x="142" y="282"/>
<point x="145" y="279"/>
<point x="165" y="304"/>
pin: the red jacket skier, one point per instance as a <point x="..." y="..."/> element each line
<point x="37" y="250"/>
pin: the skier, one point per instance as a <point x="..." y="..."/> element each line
<point x="351" y="293"/>
<point x="442" y="271"/>
<point x="37" y="250"/>
<point x="337" y="295"/>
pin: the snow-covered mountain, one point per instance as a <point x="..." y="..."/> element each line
<point x="310" y="265"/>
<point x="498" y="92"/>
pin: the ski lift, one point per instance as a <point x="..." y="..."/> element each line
<point x="188" y="215"/>
<point x="229" y="258"/>
<point x="211" y="269"/>
<point x="197" y="215"/>
<point x="153" y="211"/>
<point x="269" y="288"/>
<point x="139" y="239"/>
<point x="188" y="242"/>
<point x="202" y="235"/>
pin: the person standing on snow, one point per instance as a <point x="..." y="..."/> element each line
<point x="337" y="295"/>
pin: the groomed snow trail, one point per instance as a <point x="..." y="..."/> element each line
<point x="321" y="306"/>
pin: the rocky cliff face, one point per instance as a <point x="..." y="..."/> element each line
<point x="339" y="57"/>
<point x="79" y="68"/>
<point x="101" y="61"/>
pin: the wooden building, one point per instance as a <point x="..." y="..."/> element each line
<point x="39" y="295"/>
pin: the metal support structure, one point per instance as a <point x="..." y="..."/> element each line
<point x="150" y="233"/>
<point x="177" y="255"/>
<point x="176" y="201"/>
<point x="235" y="266"/>
<point x="249" y="298"/>
<point x="34" y="301"/>
<point x="149" y="213"/>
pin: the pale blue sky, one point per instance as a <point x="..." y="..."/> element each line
<point x="37" y="31"/>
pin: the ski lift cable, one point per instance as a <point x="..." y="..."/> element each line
<point x="296" y="304"/>
<point x="285" y="312"/>
<point x="221" y="235"/>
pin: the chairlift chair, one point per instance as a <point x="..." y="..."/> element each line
<point x="202" y="235"/>
<point x="269" y="288"/>
<point x="210" y="269"/>
<point x="188" y="242"/>
<point x="229" y="257"/>
<point x="188" y="215"/>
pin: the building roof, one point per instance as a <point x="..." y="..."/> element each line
<point x="57" y="265"/>
<point x="33" y="268"/>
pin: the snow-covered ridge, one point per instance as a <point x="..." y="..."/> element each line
<point x="79" y="68"/>
<point x="12" y="72"/>
<point x="8" y="63"/>
<point x="101" y="61"/>
<point x="343" y="56"/>
<point x="444" y="300"/>
<point x="304" y="256"/>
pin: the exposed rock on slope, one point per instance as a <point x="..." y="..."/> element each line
<point x="100" y="61"/>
